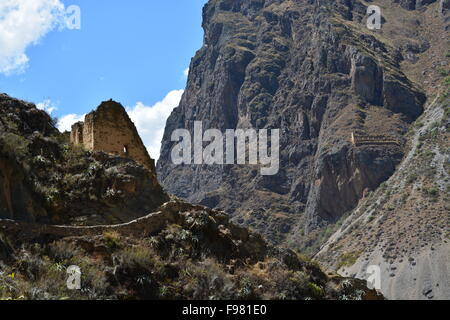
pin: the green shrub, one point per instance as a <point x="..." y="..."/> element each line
<point x="412" y="178"/>
<point x="62" y="251"/>
<point x="443" y="72"/>
<point x="431" y="191"/>
<point x="112" y="239"/>
<point x="315" y="291"/>
<point x="138" y="258"/>
<point x="447" y="81"/>
<point x="14" y="144"/>
<point x="207" y="280"/>
<point x="348" y="259"/>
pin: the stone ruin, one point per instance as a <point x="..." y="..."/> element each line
<point x="110" y="129"/>
<point x="361" y="139"/>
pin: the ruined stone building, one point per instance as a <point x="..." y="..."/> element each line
<point x="110" y="129"/>
<point x="360" y="139"/>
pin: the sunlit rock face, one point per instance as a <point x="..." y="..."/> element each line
<point x="313" y="70"/>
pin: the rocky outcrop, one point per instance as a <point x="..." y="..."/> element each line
<point x="173" y="212"/>
<point x="444" y="6"/>
<point x="304" y="68"/>
<point x="414" y="4"/>
<point x="16" y="199"/>
<point x="19" y="119"/>
<point x="43" y="178"/>
<point x="180" y="244"/>
<point x="367" y="79"/>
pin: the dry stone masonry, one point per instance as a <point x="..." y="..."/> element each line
<point x="109" y="129"/>
<point x="360" y="139"/>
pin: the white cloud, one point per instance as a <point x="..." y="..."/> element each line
<point x="151" y="121"/>
<point x="47" y="105"/>
<point x="66" y="122"/>
<point x="24" y="23"/>
<point x="186" y="72"/>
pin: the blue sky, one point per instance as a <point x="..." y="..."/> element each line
<point x="135" y="52"/>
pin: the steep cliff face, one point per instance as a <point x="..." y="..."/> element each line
<point x="404" y="227"/>
<point x="314" y="70"/>
<point x="19" y="119"/>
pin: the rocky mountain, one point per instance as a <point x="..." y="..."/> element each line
<point x="363" y="175"/>
<point x="314" y="70"/>
<point x="347" y="100"/>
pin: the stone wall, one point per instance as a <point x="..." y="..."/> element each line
<point x="76" y="135"/>
<point x="110" y="129"/>
<point x="365" y="139"/>
<point x="169" y="213"/>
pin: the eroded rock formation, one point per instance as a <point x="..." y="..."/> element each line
<point x="313" y="70"/>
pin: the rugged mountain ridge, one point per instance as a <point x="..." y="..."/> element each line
<point x="314" y="70"/>
<point x="310" y="68"/>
